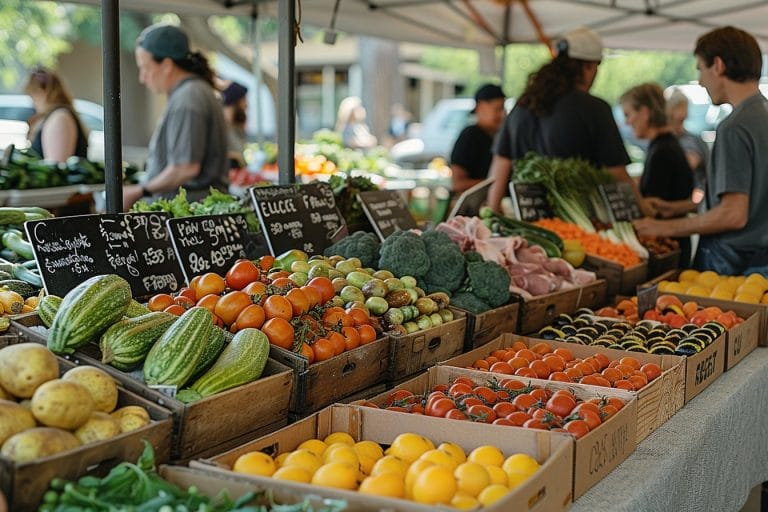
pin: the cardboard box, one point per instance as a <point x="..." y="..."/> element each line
<point x="546" y="490"/>
<point x="704" y="368"/>
<point x="320" y="384"/>
<point x="658" y="265"/>
<point x="213" y="423"/>
<point x="420" y="350"/>
<point x="24" y="484"/>
<point x="595" y="455"/>
<point x="621" y="281"/>
<point x="484" y="327"/>
<point x="656" y="402"/>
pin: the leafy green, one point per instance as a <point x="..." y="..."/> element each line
<point x="345" y="189"/>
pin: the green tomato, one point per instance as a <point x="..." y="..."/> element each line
<point x="300" y="266"/>
<point x="300" y="278"/>
<point x="377" y="305"/>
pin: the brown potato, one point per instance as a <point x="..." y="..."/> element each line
<point x="14" y="419"/>
<point x="37" y="443"/>
<point x="99" y="427"/>
<point x="131" y="409"/>
<point x="4" y="395"/>
<point x="100" y="384"/>
<point x="24" y="367"/>
<point x="63" y="404"/>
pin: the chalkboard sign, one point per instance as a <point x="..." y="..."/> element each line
<point x="208" y="243"/>
<point x="135" y="246"/>
<point x="646" y="298"/>
<point x="530" y="201"/>
<point x="621" y="202"/>
<point x="298" y="217"/>
<point x="387" y="211"/>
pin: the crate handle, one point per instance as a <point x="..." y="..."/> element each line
<point x="349" y="368"/>
<point x="550" y="311"/>
<point x="434" y="343"/>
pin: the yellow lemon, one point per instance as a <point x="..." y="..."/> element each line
<point x="389" y="464"/>
<point x="750" y="289"/>
<point x="515" y="479"/>
<point x="487" y="456"/>
<point x="366" y="464"/>
<point x="698" y="290"/>
<point x="707" y="278"/>
<point x="414" y="470"/>
<point x="255" y="463"/>
<point x="434" y="485"/>
<point x="341" y="453"/>
<point x="688" y="275"/>
<point x="721" y="294"/>
<point x="281" y="458"/>
<point x="339" y="437"/>
<point x="456" y="451"/>
<point x="440" y="458"/>
<point x="764" y="300"/>
<point x="316" y="446"/>
<point x="370" y="449"/>
<point x="521" y="463"/>
<point x="748" y="298"/>
<point x="472" y="478"/>
<point x="463" y="501"/>
<point x="386" y="484"/>
<point x="294" y="474"/>
<point x="337" y="475"/>
<point x="674" y="288"/>
<point x="303" y="459"/>
<point x="757" y="279"/>
<point x="498" y="475"/>
<point x="492" y="494"/>
<point x="409" y="447"/>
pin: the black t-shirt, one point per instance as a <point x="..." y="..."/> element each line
<point x="472" y="151"/>
<point x="666" y="173"/>
<point x="579" y="125"/>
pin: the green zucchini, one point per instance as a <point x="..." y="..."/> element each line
<point x="87" y="311"/>
<point x="126" y="343"/>
<point x="35" y="210"/>
<point x="13" y="241"/>
<point x="536" y="230"/>
<point x="47" y="308"/>
<point x="9" y="215"/>
<point x="23" y="288"/>
<point x="241" y="362"/>
<point x="174" y="357"/>
<point x="135" y="308"/>
<point x="28" y="275"/>
<point x="212" y="351"/>
<point x="5" y="275"/>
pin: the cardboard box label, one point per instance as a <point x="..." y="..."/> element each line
<point x="705" y="368"/>
<point x="608" y="448"/>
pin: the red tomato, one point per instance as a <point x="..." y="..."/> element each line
<point x="577" y="428"/>
<point x="481" y="413"/>
<point x="504" y="409"/>
<point x="241" y="274"/>
<point x="440" y="407"/>
<point x="455" y="414"/>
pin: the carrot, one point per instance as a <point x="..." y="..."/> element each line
<point x="620" y="253"/>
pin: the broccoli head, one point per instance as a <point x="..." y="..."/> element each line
<point x="446" y="268"/>
<point x="359" y="244"/>
<point x="472" y="256"/>
<point x="404" y="254"/>
<point x="469" y="302"/>
<point x="489" y="281"/>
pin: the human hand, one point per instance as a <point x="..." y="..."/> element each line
<point x="662" y="208"/>
<point x="652" y="227"/>
<point x="131" y="194"/>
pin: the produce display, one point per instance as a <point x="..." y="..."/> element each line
<point x="412" y="468"/>
<point x="509" y="402"/>
<point x="750" y="289"/>
<point x="345" y="189"/>
<point x="531" y="271"/>
<point x="671" y="328"/>
<point x="43" y="413"/>
<point x="541" y="361"/>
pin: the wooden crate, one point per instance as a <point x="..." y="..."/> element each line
<point x="487" y="326"/>
<point x="543" y="492"/>
<point x="25" y="483"/>
<point x="596" y="454"/>
<point x="419" y="350"/>
<point x="620" y="280"/>
<point x="320" y="384"/>
<point x="658" y="265"/>
<point x="542" y="310"/>
<point x="214" y="422"/>
<point x="592" y="295"/>
<point x="656" y="402"/>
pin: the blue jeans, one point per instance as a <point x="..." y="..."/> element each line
<point x="714" y="254"/>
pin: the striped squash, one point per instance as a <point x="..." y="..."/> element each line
<point x="87" y="311"/>
<point x="127" y="343"/>
<point x="219" y="337"/>
<point x="47" y="308"/>
<point x="173" y="359"/>
<point x="135" y="309"/>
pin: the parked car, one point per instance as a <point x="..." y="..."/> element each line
<point x="436" y="135"/>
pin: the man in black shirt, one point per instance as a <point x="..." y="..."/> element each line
<point x="471" y="155"/>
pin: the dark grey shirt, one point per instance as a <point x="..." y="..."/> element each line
<point x="191" y="130"/>
<point x="740" y="164"/>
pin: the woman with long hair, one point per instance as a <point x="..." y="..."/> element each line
<point x="189" y="145"/>
<point x="56" y="131"/>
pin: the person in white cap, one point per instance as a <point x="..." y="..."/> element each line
<point x="557" y="117"/>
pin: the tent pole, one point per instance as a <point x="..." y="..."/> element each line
<point x="286" y="90"/>
<point x="256" y="70"/>
<point x="113" y="160"/>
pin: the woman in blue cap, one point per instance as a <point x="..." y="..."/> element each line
<point x="235" y="104"/>
<point x="189" y="145"/>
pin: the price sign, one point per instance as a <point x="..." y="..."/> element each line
<point x="298" y="217"/>
<point x="135" y="246"/>
<point x="387" y="211"/>
<point x="208" y="243"/>
<point x="621" y="202"/>
<point x="646" y="298"/>
<point x="530" y="201"/>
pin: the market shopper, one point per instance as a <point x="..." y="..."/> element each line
<point x="189" y="145"/>
<point x="696" y="150"/>
<point x="472" y="152"/>
<point x="556" y="116"/>
<point x="734" y="238"/>
<point x="56" y="131"/>
<point x="233" y="97"/>
<point x="351" y="124"/>
<point x="666" y="173"/>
